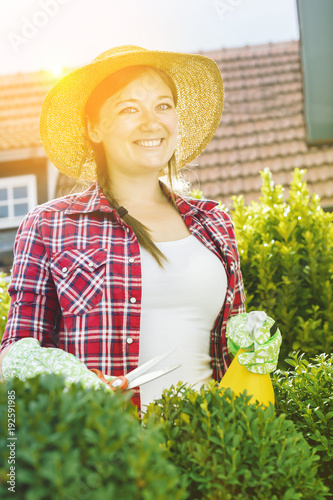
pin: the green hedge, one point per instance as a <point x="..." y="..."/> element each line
<point x="80" y="444"/>
<point x="286" y="251"/>
<point x="84" y="444"/>
<point x="4" y="304"/>
<point x="305" y="395"/>
<point x="227" y="449"/>
<point x="206" y="445"/>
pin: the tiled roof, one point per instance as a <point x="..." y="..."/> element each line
<point x="21" y="97"/>
<point x="262" y="123"/>
<point x="262" y="126"/>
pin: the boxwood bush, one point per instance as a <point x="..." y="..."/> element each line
<point x="4" y="303"/>
<point x="227" y="449"/>
<point x="286" y="251"/>
<point x="80" y="444"/>
<point x="305" y="394"/>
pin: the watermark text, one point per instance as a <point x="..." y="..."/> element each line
<point x="11" y="441"/>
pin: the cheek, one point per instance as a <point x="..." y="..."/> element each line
<point x="114" y="130"/>
<point x="173" y="124"/>
<point x="108" y="127"/>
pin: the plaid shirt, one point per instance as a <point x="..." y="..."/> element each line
<point x="76" y="280"/>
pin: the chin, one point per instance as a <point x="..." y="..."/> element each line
<point x="152" y="165"/>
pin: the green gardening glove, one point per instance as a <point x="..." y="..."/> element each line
<point x="259" y="335"/>
<point x="26" y="359"/>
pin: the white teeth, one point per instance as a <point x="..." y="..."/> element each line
<point x="155" y="142"/>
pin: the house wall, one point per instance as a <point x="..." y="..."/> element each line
<point x="36" y="166"/>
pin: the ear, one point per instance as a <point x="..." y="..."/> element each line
<point x="94" y="133"/>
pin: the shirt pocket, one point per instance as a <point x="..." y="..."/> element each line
<point x="79" y="279"/>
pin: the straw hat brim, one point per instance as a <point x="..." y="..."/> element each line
<point x="200" y="102"/>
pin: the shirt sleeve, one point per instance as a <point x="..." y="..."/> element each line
<point x="34" y="309"/>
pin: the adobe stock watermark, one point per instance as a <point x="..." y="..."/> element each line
<point x="11" y="441"/>
<point x="30" y="27"/>
<point x="224" y="7"/>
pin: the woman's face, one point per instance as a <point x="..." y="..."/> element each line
<point x="138" y="126"/>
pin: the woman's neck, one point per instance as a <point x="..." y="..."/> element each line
<point x="142" y="191"/>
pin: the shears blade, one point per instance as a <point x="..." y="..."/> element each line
<point x="148" y="377"/>
<point x="147" y="366"/>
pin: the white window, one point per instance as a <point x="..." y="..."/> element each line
<point x="18" y="195"/>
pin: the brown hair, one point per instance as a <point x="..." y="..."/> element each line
<point x="103" y="91"/>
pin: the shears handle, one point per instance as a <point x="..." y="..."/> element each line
<point x="119" y="383"/>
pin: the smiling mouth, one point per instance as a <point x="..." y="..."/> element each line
<point x="149" y="144"/>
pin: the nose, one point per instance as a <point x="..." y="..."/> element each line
<point x="150" y="120"/>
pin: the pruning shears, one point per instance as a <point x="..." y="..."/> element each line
<point x="139" y="376"/>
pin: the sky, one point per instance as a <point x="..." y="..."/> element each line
<point x="49" y="34"/>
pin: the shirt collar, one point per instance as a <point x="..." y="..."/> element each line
<point x="190" y="206"/>
<point x="90" y="200"/>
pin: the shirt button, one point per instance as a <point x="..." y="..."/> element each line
<point x="127" y="230"/>
<point x="129" y="340"/>
<point x="64" y="270"/>
<point x="229" y="299"/>
<point x="131" y="260"/>
<point x="133" y="300"/>
<point x="91" y="264"/>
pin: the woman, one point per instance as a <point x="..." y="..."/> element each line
<point x="112" y="277"/>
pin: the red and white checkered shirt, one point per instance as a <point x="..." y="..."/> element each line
<point x="76" y="280"/>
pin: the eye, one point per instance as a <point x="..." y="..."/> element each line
<point x="128" y="110"/>
<point x="165" y="105"/>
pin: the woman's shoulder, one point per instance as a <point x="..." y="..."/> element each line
<point x="75" y="202"/>
<point x="210" y="207"/>
<point x="65" y="202"/>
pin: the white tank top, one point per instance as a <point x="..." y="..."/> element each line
<point x="180" y="304"/>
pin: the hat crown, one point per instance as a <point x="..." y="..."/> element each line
<point x="117" y="51"/>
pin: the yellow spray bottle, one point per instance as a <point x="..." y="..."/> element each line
<point x="238" y="378"/>
<point x="258" y="335"/>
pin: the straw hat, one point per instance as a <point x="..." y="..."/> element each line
<point x="200" y="102"/>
